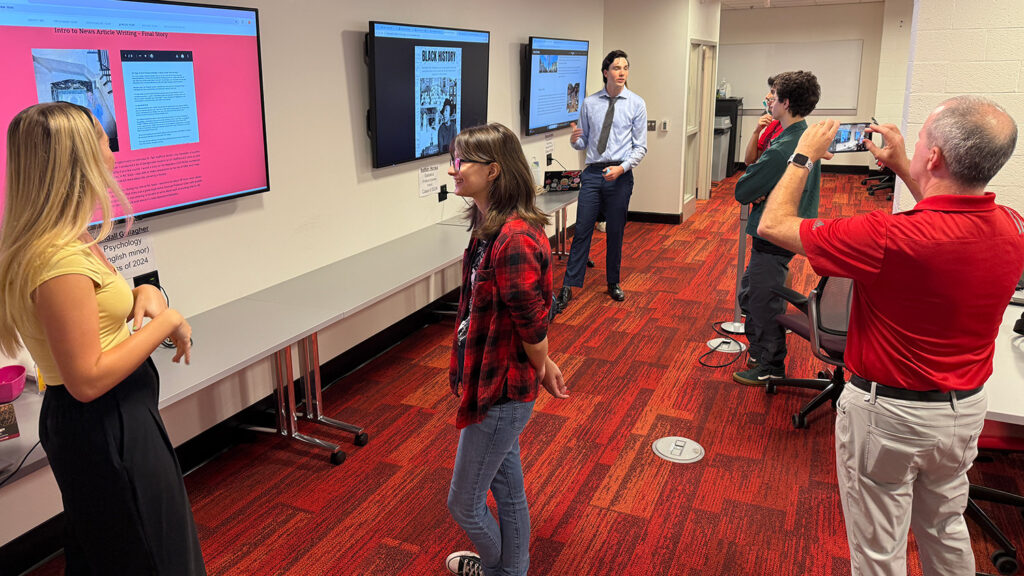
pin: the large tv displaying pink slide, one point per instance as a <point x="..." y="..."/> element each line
<point x="177" y="87"/>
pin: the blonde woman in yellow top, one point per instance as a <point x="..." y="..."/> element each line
<point x="125" y="505"/>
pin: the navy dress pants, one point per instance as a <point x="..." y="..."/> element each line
<point x="611" y="199"/>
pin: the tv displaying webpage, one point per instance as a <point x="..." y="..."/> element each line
<point x="176" y="87"/>
<point x="555" y="84"/>
<point x="426" y="84"/>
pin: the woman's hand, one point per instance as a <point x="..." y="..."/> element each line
<point x="551" y="379"/>
<point x="181" y="337"/>
<point x="149" y="302"/>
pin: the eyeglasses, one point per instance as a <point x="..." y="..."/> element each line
<point x="458" y="162"/>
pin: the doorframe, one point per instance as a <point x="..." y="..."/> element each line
<point x="706" y="94"/>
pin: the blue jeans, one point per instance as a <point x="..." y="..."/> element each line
<point x="488" y="459"/>
<point x="597" y="195"/>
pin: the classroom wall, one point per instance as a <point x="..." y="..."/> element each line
<point x="815" y="24"/>
<point x="655" y="34"/>
<point x="326" y="202"/>
<point x="968" y="47"/>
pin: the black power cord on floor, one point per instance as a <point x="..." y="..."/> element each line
<point x="11" y="475"/>
<point x="717" y="327"/>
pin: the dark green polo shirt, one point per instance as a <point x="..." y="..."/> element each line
<point x="763" y="175"/>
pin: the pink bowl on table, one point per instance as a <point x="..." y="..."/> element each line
<point x="12" y="382"/>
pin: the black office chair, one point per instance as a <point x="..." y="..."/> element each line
<point x="884" y="181"/>
<point x="822" y="321"/>
<point x="1005" y="557"/>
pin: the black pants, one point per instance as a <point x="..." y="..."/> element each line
<point x="766" y="337"/>
<point x="125" y="506"/>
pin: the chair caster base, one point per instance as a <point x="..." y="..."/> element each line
<point x="338" y="457"/>
<point x="799" y="421"/>
<point x="361" y="439"/>
<point x="1005" y="562"/>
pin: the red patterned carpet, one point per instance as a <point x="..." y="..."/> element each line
<point x="763" y="501"/>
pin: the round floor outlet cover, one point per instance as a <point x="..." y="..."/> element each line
<point x="678" y="449"/>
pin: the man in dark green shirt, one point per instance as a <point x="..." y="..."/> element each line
<point x="794" y="95"/>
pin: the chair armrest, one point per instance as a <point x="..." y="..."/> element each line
<point x="793" y="297"/>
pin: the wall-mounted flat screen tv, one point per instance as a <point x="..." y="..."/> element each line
<point x="177" y="88"/>
<point x="554" y="83"/>
<point x="426" y="84"/>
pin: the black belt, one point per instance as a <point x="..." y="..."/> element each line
<point x="913" y="395"/>
<point x="603" y="165"/>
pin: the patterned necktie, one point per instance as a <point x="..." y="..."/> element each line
<point x="602" y="141"/>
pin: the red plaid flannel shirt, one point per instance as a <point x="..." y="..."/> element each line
<point x="511" y="301"/>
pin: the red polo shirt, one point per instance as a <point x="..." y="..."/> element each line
<point x="930" y="287"/>
<point x="770" y="132"/>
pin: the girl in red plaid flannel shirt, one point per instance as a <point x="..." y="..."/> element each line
<point x="500" y="347"/>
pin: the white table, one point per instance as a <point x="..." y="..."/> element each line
<point x="240" y="333"/>
<point x="1005" y="386"/>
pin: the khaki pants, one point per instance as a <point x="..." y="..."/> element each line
<point x="903" y="465"/>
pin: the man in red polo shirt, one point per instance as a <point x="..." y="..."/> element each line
<point x="930" y="288"/>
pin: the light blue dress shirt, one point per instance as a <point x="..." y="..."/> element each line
<point x="627" y="140"/>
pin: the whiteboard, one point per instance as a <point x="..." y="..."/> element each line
<point x="836" y="63"/>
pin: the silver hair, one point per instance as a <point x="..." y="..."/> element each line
<point x="972" y="133"/>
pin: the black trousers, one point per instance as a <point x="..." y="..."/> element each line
<point x="766" y="337"/>
<point x="125" y="506"/>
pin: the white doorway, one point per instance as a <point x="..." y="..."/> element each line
<point x="700" y="111"/>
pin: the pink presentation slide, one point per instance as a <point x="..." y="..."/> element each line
<point x="183" y="111"/>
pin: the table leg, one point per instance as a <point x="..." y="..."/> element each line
<point x="309" y="366"/>
<point x="561" y="233"/>
<point x="286" y="420"/>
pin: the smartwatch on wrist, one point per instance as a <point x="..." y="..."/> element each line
<point x="801" y="161"/>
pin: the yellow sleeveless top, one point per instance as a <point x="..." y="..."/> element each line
<point x="113" y="296"/>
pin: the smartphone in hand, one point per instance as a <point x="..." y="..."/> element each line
<point x="849" y="138"/>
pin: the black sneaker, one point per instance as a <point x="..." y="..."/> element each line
<point x="759" y="375"/>
<point x="464" y="563"/>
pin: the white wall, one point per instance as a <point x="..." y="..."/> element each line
<point x="815" y="24"/>
<point x="893" y="60"/>
<point x="968" y="47"/>
<point x="326" y="202"/>
<point x="655" y="34"/>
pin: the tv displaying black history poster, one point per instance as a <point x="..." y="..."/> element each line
<point x="426" y="84"/>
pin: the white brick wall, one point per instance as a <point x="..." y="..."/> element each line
<point x="968" y="47"/>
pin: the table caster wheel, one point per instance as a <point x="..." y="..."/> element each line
<point x="361" y="439"/>
<point x="338" y="457"/>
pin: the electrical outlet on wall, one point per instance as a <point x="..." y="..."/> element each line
<point x="652" y="125"/>
<point x="151" y="278"/>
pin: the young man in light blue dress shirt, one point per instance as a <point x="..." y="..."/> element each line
<point x="613" y="130"/>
